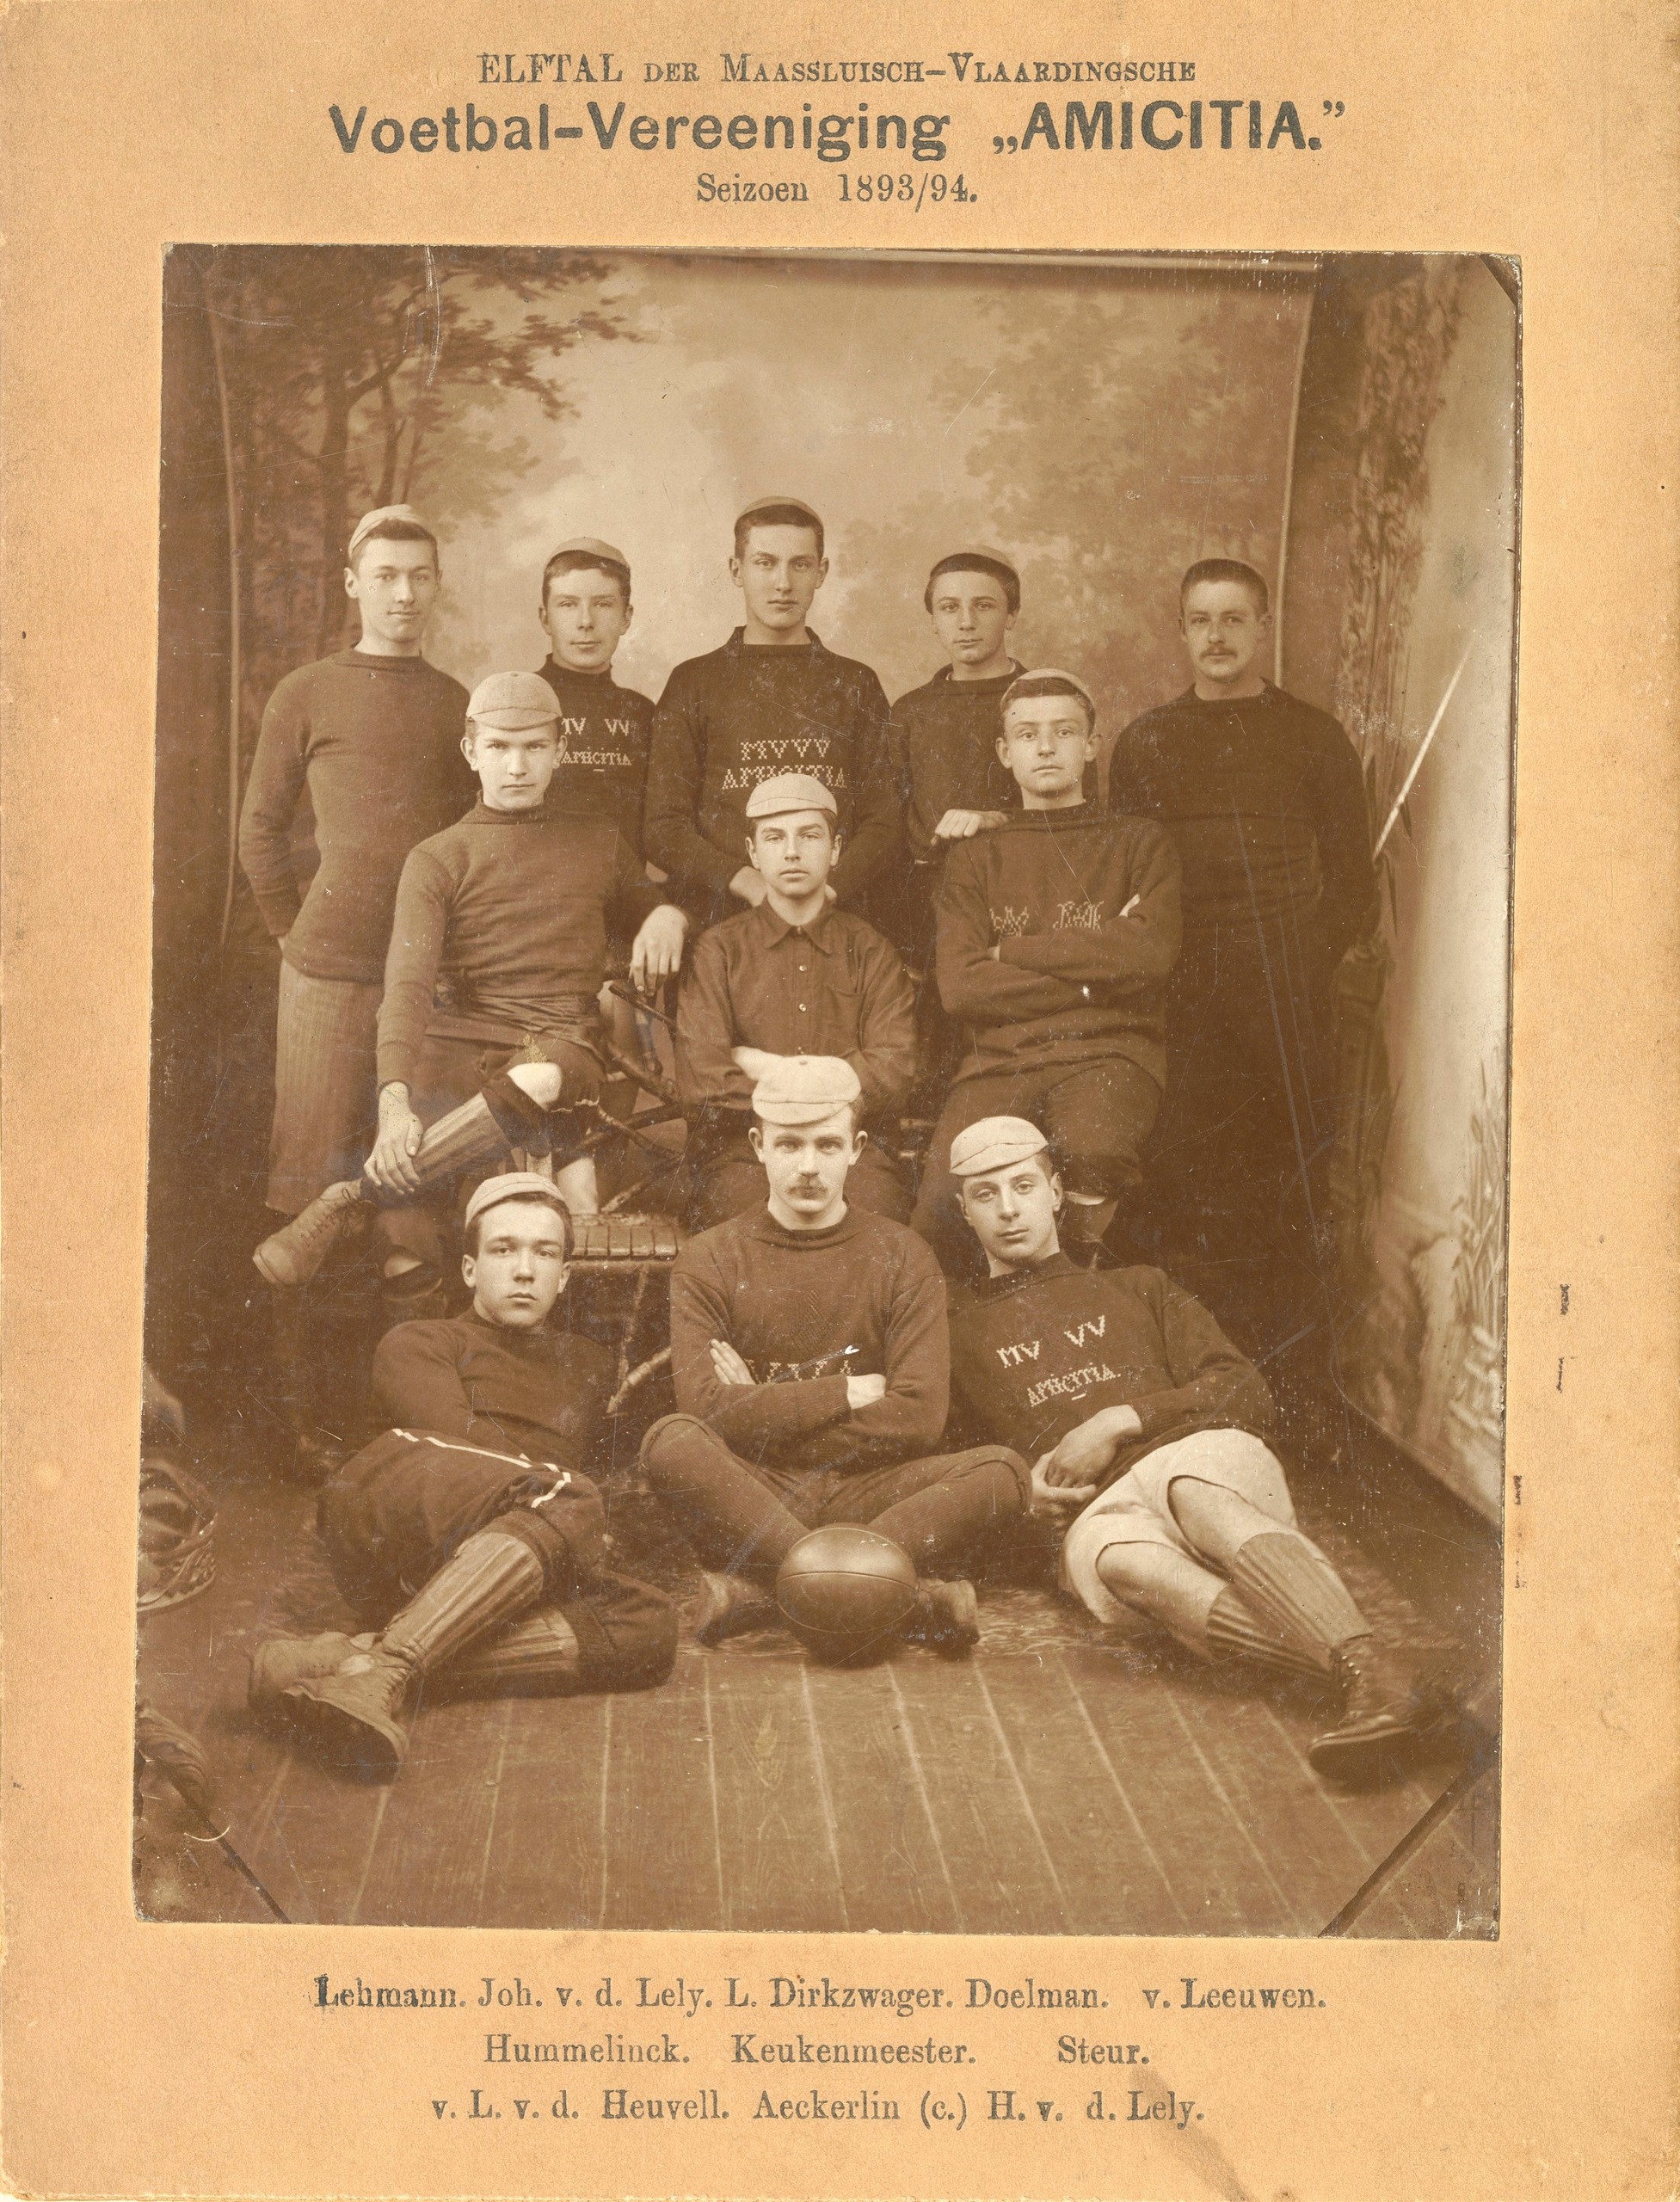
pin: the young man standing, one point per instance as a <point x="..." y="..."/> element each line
<point x="488" y="1032"/>
<point x="368" y="739"/>
<point x="602" y="767"/>
<point x="466" y="1538"/>
<point x="1264" y="797"/>
<point x="771" y="700"/>
<point x="793" y="977"/>
<point x="1056" y="933"/>
<point x="811" y="1357"/>
<point x="1136" y="1410"/>
<point x="942" y="736"/>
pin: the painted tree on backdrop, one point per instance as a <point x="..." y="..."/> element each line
<point x="1113" y="436"/>
<point x="355" y="376"/>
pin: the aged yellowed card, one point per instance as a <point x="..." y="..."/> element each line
<point x="982" y="704"/>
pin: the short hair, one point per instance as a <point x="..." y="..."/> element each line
<point x="579" y="561"/>
<point x="1227" y="570"/>
<point x="1047" y="684"/>
<point x="962" y="562"/>
<point x="776" y="516"/>
<point x="394" y="531"/>
<point x="827" y="817"/>
<point x="567" y="1236"/>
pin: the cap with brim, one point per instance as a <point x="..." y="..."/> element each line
<point x="590" y="546"/>
<point x="1013" y="692"/>
<point x="976" y="556"/>
<point x="369" y="521"/>
<point x="994" y="1143"/>
<point x="512" y="702"/>
<point x="787" y="791"/>
<point x="804" y="1089"/>
<point x="512" y="1185"/>
<point x="765" y="504"/>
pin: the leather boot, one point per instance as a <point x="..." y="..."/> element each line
<point x="946" y="1615"/>
<point x="730" y="1607"/>
<point x="1380" y="1713"/>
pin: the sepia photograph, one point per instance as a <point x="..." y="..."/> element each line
<point x="826" y="1226"/>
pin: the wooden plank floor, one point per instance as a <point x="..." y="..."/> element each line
<point x="1065" y="1780"/>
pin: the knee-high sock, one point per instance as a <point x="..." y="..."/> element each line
<point x="458" y="1141"/>
<point x="734" y="1519"/>
<point x="617" y="1634"/>
<point x="1290" y="1584"/>
<point x="940" y="1526"/>
<point x="492" y="1579"/>
<point x="1235" y="1631"/>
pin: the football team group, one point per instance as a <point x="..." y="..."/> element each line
<point x="969" y="1063"/>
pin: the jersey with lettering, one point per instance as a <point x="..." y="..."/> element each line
<point x="745" y="713"/>
<point x="1036" y="1353"/>
<point x="601" y="771"/>
<point x="1056" y="934"/>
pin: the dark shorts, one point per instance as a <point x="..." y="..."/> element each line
<point x="402" y="1506"/>
<point x="1096" y="1116"/>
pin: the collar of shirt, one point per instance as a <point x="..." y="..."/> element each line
<point x="776" y="929"/>
<point x="738" y="645"/>
<point x="999" y="1288"/>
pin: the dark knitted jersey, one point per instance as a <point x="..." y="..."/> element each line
<point x="371" y="745"/>
<point x="742" y="714"/>
<point x="602" y="768"/>
<point x="1265" y="801"/>
<point x="542" y="1392"/>
<point x="1035" y="1353"/>
<point x="1083" y="910"/>
<point x="832" y="988"/>
<point x="805" y="1310"/>
<point x="943" y="739"/>
<point x="501" y="925"/>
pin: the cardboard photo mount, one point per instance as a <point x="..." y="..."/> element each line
<point x="206" y="2060"/>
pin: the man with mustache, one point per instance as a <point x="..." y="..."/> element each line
<point x="811" y="1362"/>
<point x="1264" y="798"/>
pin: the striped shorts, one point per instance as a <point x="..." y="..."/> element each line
<point x="326" y="1096"/>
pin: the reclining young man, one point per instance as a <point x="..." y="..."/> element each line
<point x="489" y="1033"/>
<point x="793" y="977"/>
<point x="1136" y="1410"/>
<point x="467" y="1538"/>
<point x="811" y="1362"/>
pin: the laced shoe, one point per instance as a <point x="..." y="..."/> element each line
<point x="350" y="1711"/>
<point x="730" y="1607"/>
<point x="292" y="1255"/>
<point x="1381" y="1715"/>
<point x="946" y="1615"/>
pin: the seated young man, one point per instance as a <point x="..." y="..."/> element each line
<point x="602" y="768"/>
<point x="1136" y="1410"/>
<point x="1056" y="933"/>
<point x="466" y="1538"/>
<point x="810" y="1357"/>
<point x="793" y="977"/>
<point x="771" y="700"/>
<point x="489" y="1030"/>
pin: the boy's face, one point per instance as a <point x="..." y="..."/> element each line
<point x="806" y="1163"/>
<point x="1013" y="1213"/>
<point x="515" y="765"/>
<point x="585" y="616"/>
<point x="1046" y="743"/>
<point x="518" y="1273"/>
<point x="971" y="616"/>
<point x="780" y="574"/>
<point x="1224" y="631"/>
<point x="794" y="853"/>
<point x="396" y="585"/>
